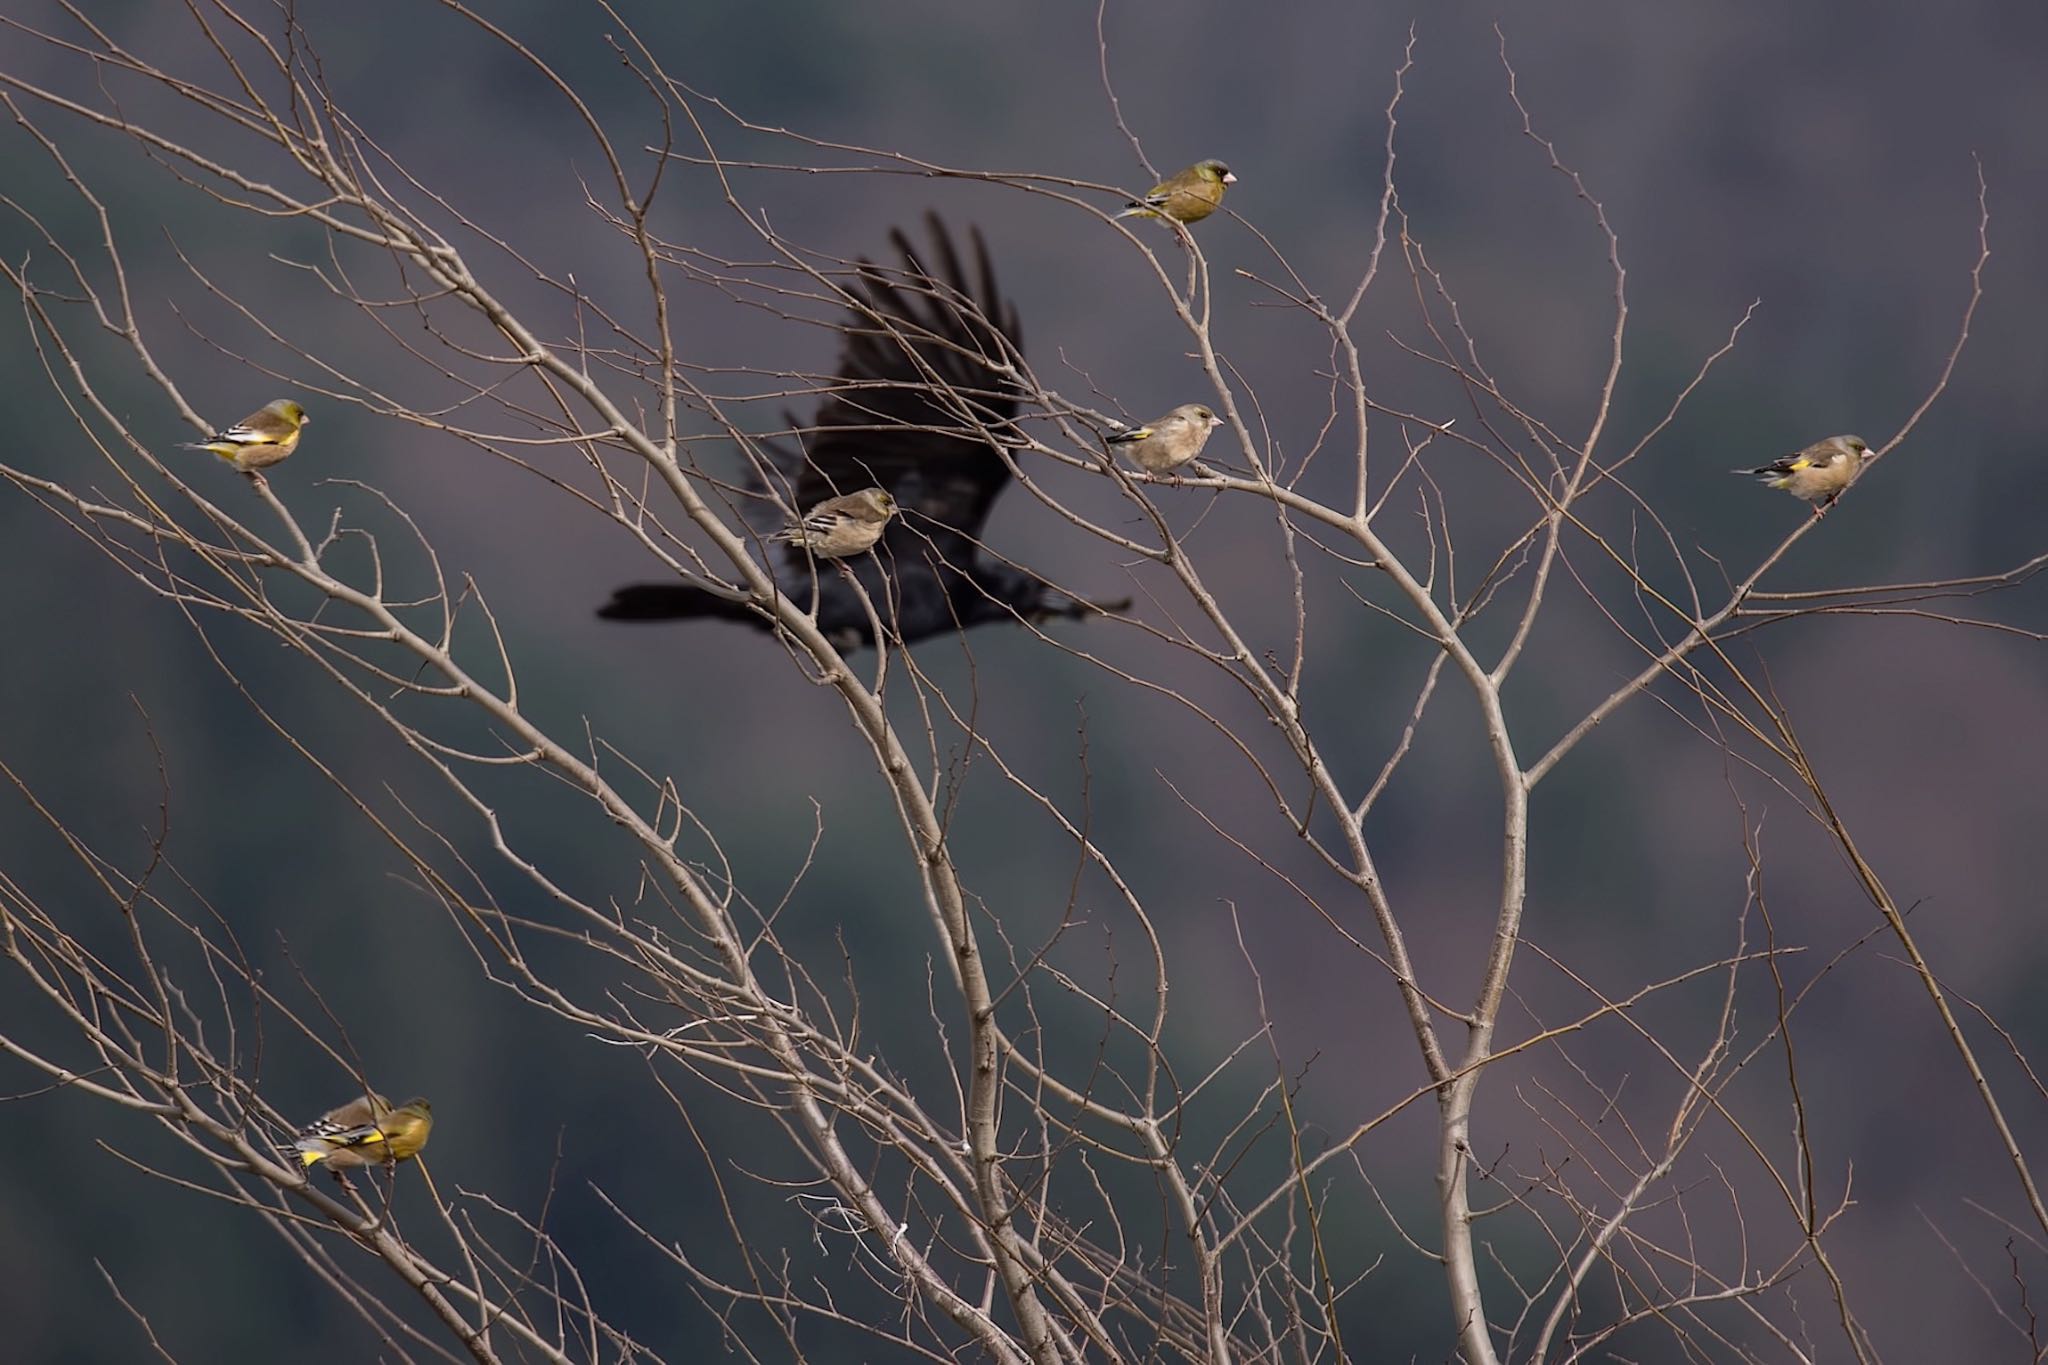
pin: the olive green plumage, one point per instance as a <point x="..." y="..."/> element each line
<point x="842" y="526"/>
<point x="1171" y="441"/>
<point x="1186" y="197"/>
<point x="259" y="440"/>
<point x="366" y="1132"/>
<point x="1819" y="472"/>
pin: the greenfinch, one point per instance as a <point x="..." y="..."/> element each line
<point x="259" y="440"/>
<point x="366" y="1132"/>
<point x="842" y="526"/>
<point x="1817" y="473"/>
<point x="1171" y="441"/>
<point x="1186" y="197"/>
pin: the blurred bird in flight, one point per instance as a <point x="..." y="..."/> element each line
<point x="927" y="386"/>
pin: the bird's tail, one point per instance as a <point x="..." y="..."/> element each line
<point x="672" y="602"/>
<point x="1058" y="606"/>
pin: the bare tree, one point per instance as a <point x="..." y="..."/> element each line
<point x="1051" y="1170"/>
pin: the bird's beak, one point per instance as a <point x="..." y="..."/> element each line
<point x="1229" y="178"/>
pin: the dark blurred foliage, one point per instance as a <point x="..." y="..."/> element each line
<point x="1814" y="156"/>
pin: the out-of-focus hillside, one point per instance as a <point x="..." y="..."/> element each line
<point x="1811" y="157"/>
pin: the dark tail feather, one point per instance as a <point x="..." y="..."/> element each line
<point x="672" y="602"/>
<point x="1057" y="605"/>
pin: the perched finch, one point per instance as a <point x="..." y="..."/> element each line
<point x="259" y="440"/>
<point x="1186" y="197"/>
<point x="366" y="1132"/>
<point x="1171" y="441"/>
<point x="1818" y="472"/>
<point x="838" y="527"/>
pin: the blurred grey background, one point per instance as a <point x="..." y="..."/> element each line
<point x="1815" y="157"/>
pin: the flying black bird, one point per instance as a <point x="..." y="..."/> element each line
<point x="927" y="383"/>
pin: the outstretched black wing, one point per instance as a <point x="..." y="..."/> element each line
<point x="926" y="379"/>
<point x="927" y="385"/>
